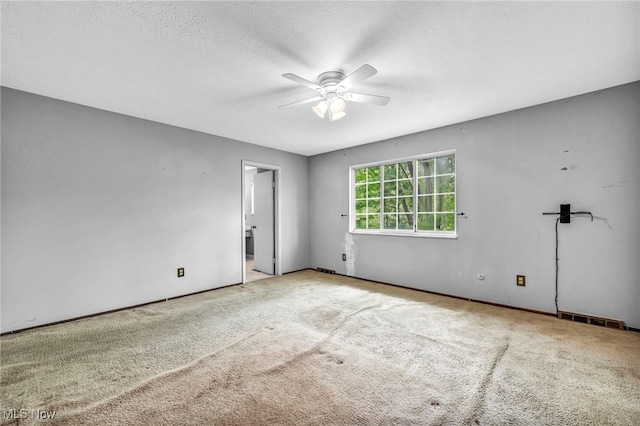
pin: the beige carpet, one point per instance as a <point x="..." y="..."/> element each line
<point x="311" y="348"/>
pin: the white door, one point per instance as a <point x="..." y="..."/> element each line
<point x="263" y="223"/>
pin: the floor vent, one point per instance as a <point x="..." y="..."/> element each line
<point x="588" y="319"/>
<point x="326" y="271"/>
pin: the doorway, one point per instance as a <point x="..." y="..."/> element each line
<point x="260" y="221"/>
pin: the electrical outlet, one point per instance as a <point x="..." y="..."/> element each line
<point x="344" y="257"/>
<point x="520" y="280"/>
<point x="180" y="272"/>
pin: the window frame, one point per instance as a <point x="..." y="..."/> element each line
<point x="402" y="232"/>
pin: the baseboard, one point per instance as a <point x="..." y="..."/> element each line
<point x="609" y="323"/>
<point x="114" y="310"/>
<point x="323" y="270"/>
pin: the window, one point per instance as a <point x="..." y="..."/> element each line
<point x="414" y="196"/>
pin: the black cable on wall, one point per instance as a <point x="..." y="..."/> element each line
<point x="564" y="217"/>
<point x="557" y="264"/>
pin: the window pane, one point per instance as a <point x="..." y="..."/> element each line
<point x="374" y="221"/>
<point x="426" y="185"/>
<point x="373" y="206"/>
<point x="445" y="165"/>
<point x="390" y="205"/>
<point x="422" y="185"/>
<point x="425" y="204"/>
<point x="361" y="191"/>
<point x="373" y="190"/>
<point x="361" y="206"/>
<point x="426" y="222"/>
<point x="405" y="187"/>
<point x="373" y="173"/>
<point x="390" y="188"/>
<point x="446" y="203"/>
<point x="426" y="167"/>
<point x="361" y="175"/>
<point x="390" y="171"/>
<point x="390" y="221"/>
<point x="405" y="221"/>
<point x="405" y="204"/>
<point x="445" y="184"/>
<point x="405" y="170"/>
<point x="445" y="222"/>
<point x="361" y="221"/>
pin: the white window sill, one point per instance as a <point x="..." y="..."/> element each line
<point x="450" y="236"/>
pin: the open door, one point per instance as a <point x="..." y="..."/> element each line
<point x="264" y="222"/>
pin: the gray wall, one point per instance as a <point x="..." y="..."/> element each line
<point x="99" y="209"/>
<point x="509" y="172"/>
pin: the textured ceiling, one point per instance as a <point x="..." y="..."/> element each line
<point x="216" y="66"/>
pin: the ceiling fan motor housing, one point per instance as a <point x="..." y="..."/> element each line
<point x="330" y="80"/>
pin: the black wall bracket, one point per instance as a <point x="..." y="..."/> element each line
<point x="565" y="213"/>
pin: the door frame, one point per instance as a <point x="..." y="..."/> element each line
<point x="276" y="214"/>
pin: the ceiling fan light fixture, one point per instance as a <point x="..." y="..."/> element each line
<point x="321" y="108"/>
<point x="333" y="116"/>
<point x="337" y="105"/>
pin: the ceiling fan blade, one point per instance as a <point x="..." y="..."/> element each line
<point x="304" y="101"/>
<point x="300" y="80"/>
<point x="366" y="99"/>
<point x="358" y="76"/>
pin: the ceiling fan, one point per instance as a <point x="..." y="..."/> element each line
<point x="333" y="91"/>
